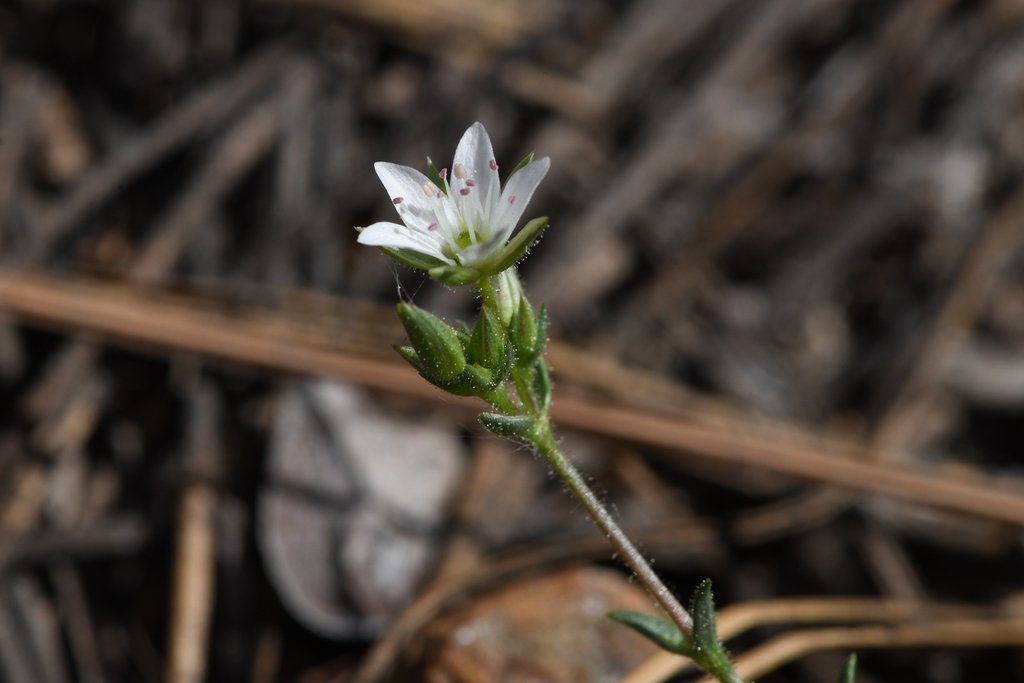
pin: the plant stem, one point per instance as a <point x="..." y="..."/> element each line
<point x="543" y="440"/>
<point x="547" y="446"/>
<point x="500" y="400"/>
<point x="487" y="295"/>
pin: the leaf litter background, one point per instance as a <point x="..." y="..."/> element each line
<point x="787" y="284"/>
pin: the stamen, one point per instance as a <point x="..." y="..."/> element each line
<point x="464" y="191"/>
<point x="460" y="171"/>
<point x="444" y="174"/>
<point x="512" y="199"/>
<point x="432" y="227"/>
<point x="470" y="182"/>
<point x="493" y="164"/>
<point x="430" y="189"/>
<point x="397" y="200"/>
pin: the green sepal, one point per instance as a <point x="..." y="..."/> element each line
<point x="542" y="330"/>
<point x="435" y="176"/>
<point x="528" y="159"/>
<point x="540" y="385"/>
<point x="849" y="672"/>
<point x="436" y="344"/>
<point x="508" y="426"/>
<point x="528" y="333"/>
<point x="409" y="354"/>
<point x="455" y="275"/>
<point x="413" y="259"/>
<point x="522" y="330"/>
<point x="489" y="345"/>
<point x="517" y="247"/>
<point x="664" y="634"/>
<point x="464" y="333"/>
<point x="474" y="381"/>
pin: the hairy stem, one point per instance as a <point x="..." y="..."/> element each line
<point x="544" y="441"/>
<point x="547" y="446"/>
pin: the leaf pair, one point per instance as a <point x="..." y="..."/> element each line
<point x="702" y="645"/>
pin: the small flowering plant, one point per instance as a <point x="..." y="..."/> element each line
<point x="458" y="227"/>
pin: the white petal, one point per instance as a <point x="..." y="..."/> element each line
<point x="397" y="236"/>
<point x="517" y="195"/>
<point x="476" y="155"/>
<point x="408" y="185"/>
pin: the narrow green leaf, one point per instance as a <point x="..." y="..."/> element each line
<point x="508" y="426"/>
<point x="705" y="633"/>
<point x="849" y="672"/>
<point x="665" y="635"/>
<point x="709" y="652"/>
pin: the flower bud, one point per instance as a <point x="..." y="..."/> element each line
<point x="473" y="381"/>
<point x="438" y="354"/>
<point x="528" y="333"/>
<point x="507" y="292"/>
<point x="489" y="345"/>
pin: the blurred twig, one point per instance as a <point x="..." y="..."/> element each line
<point x="889" y="623"/>
<point x="131" y="317"/>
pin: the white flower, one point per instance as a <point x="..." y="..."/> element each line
<point x="464" y="221"/>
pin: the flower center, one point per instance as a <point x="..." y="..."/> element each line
<point x="463" y="240"/>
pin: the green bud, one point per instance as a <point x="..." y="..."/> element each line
<point x="522" y="331"/>
<point x="508" y="426"/>
<point x="507" y="292"/>
<point x="438" y="353"/>
<point x="528" y="333"/>
<point x="489" y="346"/>
<point x="473" y="381"/>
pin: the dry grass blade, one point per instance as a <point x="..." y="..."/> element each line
<point x="954" y="633"/>
<point x="138" y="320"/>
<point x="893" y="623"/>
